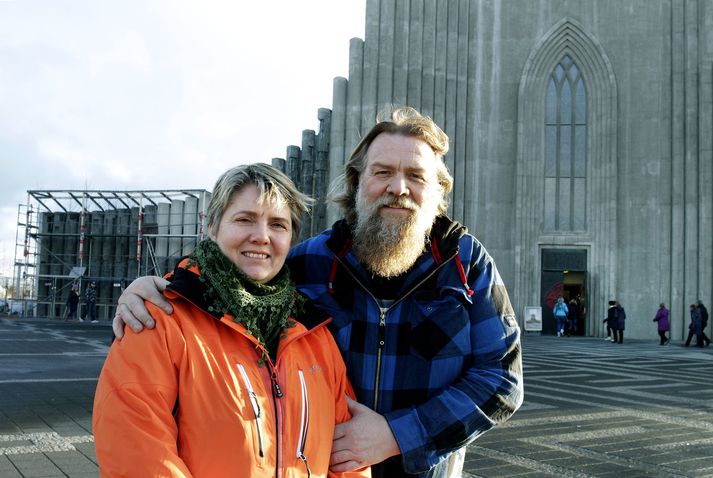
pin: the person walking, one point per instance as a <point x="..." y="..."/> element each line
<point x="704" y="323"/>
<point x="560" y="311"/>
<point x="695" y="327"/>
<point x="572" y="317"/>
<point x="662" y="324"/>
<point x="72" y="303"/>
<point x="90" y="302"/>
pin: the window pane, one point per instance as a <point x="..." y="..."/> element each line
<point x="559" y="73"/>
<point x="566" y="104"/>
<point x="551" y="104"/>
<point x="580" y="107"/>
<point x="573" y="73"/>
<point x="565" y="155"/>
<point x="550" y="201"/>
<point x="563" y="203"/>
<point x="550" y="151"/>
<point x="579" y="212"/>
<point x="580" y="148"/>
<point x="565" y="149"/>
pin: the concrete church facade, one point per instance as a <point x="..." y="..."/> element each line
<point x="581" y="139"/>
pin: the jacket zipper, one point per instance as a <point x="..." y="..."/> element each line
<point x="256" y="408"/>
<point x="276" y="393"/>
<point x="382" y="317"/>
<point x="304" y="424"/>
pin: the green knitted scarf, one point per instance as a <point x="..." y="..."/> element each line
<point x="265" y="310"/>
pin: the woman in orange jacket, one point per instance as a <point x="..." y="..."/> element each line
<point x="243" y="379"/>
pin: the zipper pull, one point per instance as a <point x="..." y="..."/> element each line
<point x="382" y="327"/>
<point x="302" y="457"/>
<point x="275" y="385"/>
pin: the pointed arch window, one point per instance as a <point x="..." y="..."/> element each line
<point x="565" y="149"/>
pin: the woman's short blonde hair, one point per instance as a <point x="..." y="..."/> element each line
<point x="273" y="186"/>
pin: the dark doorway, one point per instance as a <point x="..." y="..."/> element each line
<point x="564" y="274"/>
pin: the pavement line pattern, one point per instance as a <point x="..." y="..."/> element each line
<point x="652" y="470"/>
<point x="595" y="409"/>
<point x="682" y="444"/>
<point x="530" y="464"/>
<point x="41" y="443"/>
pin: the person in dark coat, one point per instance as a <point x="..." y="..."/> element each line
<point x="663" y="324"/>
<point x="90" y="298"/>
<point x="572" y="317"/>
<point x="704" y="323"/>
<point x="611" y="321"/>
<point x="695" y="327"/>
<point x="72" y="303"/>
<point x="617" y="322"/>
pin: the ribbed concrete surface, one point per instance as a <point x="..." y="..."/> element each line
<point x="592" y="408"/>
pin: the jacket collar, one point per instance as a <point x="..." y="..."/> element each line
<point x="444" y="244"/>
<point x="186" y="283"/>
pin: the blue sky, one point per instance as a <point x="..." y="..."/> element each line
<point x="158" y="94"/>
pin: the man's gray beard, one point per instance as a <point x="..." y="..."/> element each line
<point x="389" y="246"/>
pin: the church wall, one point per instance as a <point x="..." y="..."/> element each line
<point x="650" y="65"/>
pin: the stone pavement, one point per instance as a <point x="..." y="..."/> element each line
<point x="592" y="408"/>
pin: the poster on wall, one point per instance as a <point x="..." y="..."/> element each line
<point x="533" y="319"/>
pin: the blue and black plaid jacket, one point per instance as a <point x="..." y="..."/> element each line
<point x="443" y="361"/>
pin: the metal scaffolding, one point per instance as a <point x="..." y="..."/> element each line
<point x="67" y="237"/>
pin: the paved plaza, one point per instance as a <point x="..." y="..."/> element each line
<point x="592" y="408"/>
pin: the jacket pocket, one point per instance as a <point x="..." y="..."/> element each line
<point x="304" y="423"/>
<point x="256" y="409"/>
<point x="440" y="328"/>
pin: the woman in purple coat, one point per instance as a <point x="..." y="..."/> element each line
<point x="663" y="323"/>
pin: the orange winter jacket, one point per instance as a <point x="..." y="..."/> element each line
<point x="190" y="399"/>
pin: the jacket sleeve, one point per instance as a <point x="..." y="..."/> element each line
<point x="342" y="388"/>
<point x="488" y="392"/>
<point x="134" y="429"/>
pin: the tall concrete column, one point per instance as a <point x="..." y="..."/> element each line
<point x="175" y="230"/>
<point x="190" y="224"/>
<point x="337" y="137"/>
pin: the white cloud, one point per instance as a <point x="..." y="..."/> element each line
<point x="158" y="93"/>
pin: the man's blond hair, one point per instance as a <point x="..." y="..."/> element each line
<point x="405" y="121"/>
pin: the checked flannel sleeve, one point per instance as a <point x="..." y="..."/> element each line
<point x="487" y="393"/>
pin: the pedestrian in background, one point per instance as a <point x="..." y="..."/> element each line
<point x="619" y="324"/>
<point x="695" y="327"/>
<point x="615" y="321"/>
<point x="72" y="303"/>
<point x="572" y="317"/>
<point x="610" y="319"/>
<point x="560" y="311"/>
<point x="90" y="302"/>
<point x="704" y="323"/>
<point x="663" y="324"/>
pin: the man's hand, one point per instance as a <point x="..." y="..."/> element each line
<point x="364" y="440"/>
<point x="131" y="310"/>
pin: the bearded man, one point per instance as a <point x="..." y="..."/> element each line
<point x="418" y="309"/>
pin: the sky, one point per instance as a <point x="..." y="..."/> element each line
<point x="158" y="94"/>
